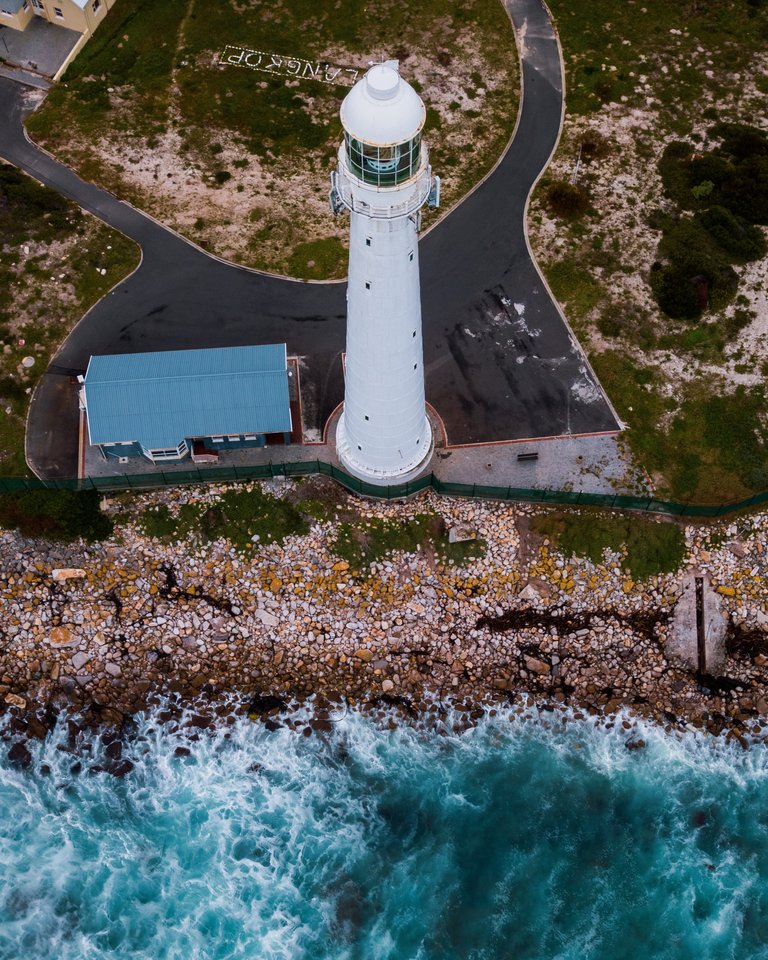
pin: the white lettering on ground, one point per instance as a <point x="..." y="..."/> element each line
<point x="287" y="66"/>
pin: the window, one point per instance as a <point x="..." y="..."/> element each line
<point x="367" y="284"/>
<point x="95" y="6"/>
<point x="415" y="366"/>
<point x="410" y="256"/>
<point x="249" y="436"/>
<point x="359" y="447"/>
<point x="367" y="417"/>
<point x="25" y="5"/>
<point x="217" y="439"/>
<point x="5" y="13"/>
<point x="367" y="241"/>
<point x="414" y="335"/>
<point x="58" y="12"/>
<point x="233" y="439"/>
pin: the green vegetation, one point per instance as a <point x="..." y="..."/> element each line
<point x="608" y="46"/>
<point x="667" y="70"/>
<point x="51" y="260"/>
<point x="372" y="540"/>
<point x="567" y="200"/>
<point x="647" y="548"/>
<point x="573" y="285"/>
<point x="317" y="259"/>
<point x="701" y="444"/>
<point x="247" y="518"/>
<point x="727" y="188"/>
<point x="55" y="514"/>
<point x="153" y="69"/>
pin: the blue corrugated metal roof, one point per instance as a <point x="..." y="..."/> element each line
<point x="160" y="398"/>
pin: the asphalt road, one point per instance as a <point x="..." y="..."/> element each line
<point x="500" y="361"/>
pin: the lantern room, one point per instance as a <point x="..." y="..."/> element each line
<point x="382" y="118"/>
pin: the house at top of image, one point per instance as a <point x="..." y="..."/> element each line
<point x="44" y="36"/>
<point x="80" y="15"/>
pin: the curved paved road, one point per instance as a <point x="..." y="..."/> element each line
<point x="500" y="362"/>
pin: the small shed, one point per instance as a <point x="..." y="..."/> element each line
<point x="170" y="404"/>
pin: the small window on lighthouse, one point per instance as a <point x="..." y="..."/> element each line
<point x="367" y="417"/>
<point x="410" y="255"/>
<point x="359" y="447"/>
<point x="415" y="366"/>
<point x="367" y="284"/>
<point x="414" y="334"/>
<point x="367" y="241"/>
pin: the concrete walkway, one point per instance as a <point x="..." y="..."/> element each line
<point x="42" y="47"/>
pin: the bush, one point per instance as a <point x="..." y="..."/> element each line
<point x="55" y="514"/>
<point x="567" y="200"/>
<point x="742" y="241"/>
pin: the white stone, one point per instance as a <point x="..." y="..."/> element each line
<point x="67" y="573"/>
<point x="113" y="669"/>
<point x="268" y="619"/>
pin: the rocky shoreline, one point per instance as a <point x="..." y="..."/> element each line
<point x="103" y="629"/>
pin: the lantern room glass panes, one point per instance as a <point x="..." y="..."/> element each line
<point x="384" y="166"/>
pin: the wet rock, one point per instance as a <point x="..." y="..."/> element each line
<point x="20" y="755"/>
<point x="536" y="666"/>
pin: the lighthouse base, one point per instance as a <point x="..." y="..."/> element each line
<point x="345" y="451"/>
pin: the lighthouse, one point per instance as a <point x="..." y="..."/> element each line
<point x="383" y="179"/>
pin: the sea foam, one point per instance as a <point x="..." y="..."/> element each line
<point x="514" y="838"/>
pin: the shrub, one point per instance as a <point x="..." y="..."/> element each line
<point x="55" y="514"/>
<point x="567" y="200"/>
<point x="221" y="176"/>
<point x="742" y="241"/>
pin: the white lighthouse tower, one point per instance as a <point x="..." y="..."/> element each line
<point x="383" y="179"/>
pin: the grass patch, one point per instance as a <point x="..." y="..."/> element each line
<point x="648" y="548"/>
<point x="61" y="515"/>
<point x="318" y="259"/>
<point x="55" y="263"/>
<point x="574" y="287"/>
<point x="608" y="46"/>
<point x="702" y="445"/>
<point x="247" y="518"/>
<point x="374" y="539"/>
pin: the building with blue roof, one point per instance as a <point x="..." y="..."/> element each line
<point x="168" y="405"/>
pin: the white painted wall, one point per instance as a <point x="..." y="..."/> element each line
<point x="384" y="434"/>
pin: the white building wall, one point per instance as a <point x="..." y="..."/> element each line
<point x="383" y="434"/>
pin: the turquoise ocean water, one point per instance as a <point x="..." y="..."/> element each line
<point x="512" y="840"/>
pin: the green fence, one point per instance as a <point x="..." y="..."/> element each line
<point x="397" y="491"/>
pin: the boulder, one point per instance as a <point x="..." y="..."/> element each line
<point x="68" y="573"/>
<point x="536" y="666"/>
<point x="268" y="619"/>
<point x="61" y="636"/>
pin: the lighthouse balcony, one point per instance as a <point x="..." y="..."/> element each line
<point x="380" y="202"/>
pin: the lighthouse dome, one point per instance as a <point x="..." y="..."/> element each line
<point x="382" y="108"/>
